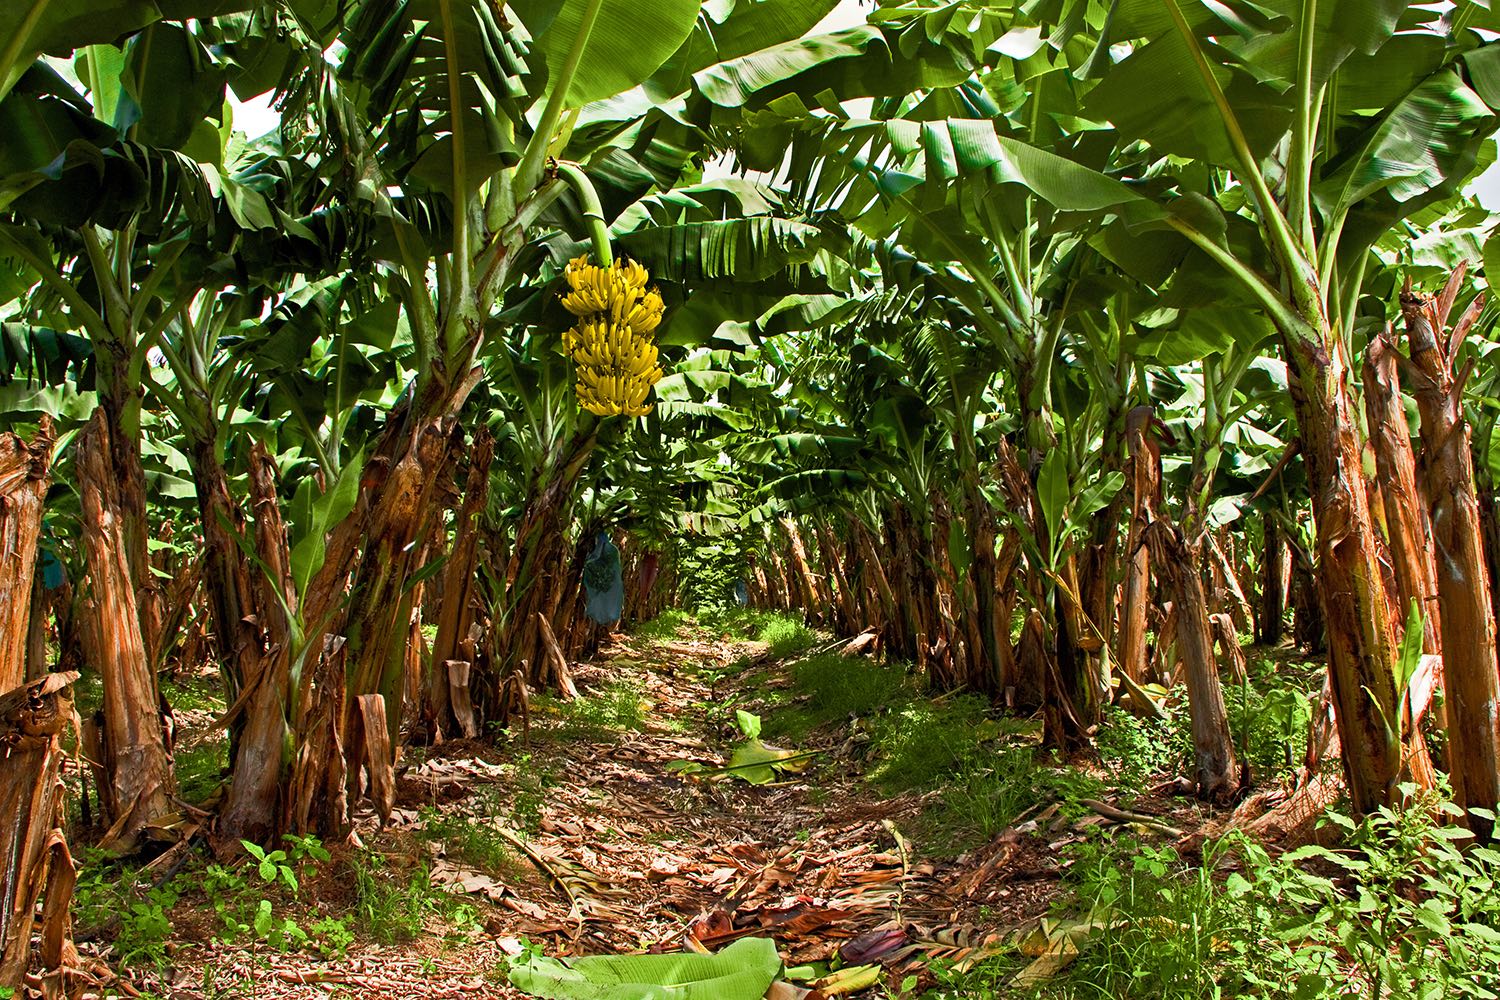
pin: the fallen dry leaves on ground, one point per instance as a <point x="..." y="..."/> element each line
<point x="625" y="854"/>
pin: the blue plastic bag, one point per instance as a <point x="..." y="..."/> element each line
<point x="603" y="583"/>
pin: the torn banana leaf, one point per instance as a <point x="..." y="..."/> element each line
<point x="742" y="971"/>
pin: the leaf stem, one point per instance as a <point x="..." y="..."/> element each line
<point x="529" y="173"/>
<point x="593" y="212"/>
<point x="12" y="51"/>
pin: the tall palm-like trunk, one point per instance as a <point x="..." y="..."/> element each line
<point x="255" y="809"/>
<point x="1350" y="583"/>
<point x="120" y="405"/>
<point x="138" y="779"/>
<point x="1396" y="468"/>
<point x="1179" y="561"/>
<point x="537" y="572"/>
<point x="1471" y="672"/>
<point x="404" y="506"/>
<point x="1271" y="617"/>
<point x="25" y="470"/>
<point x="447" y="700"/>
<point x="1144" y="483"/>
<point x="34" y="859"/>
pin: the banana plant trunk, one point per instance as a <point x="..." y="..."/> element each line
<point x="987" y="660"/>
<point x="1396" y="468"/>
<point x="1144" y="468"/>
<point x="811" y="592"/>
<point x="1271" y="618"/>
<point x="447" y="704"/>
<point x="35" y="864"/>
<point x="537" y="572"/>
<point x="1350" y="583"/>
<point x="25" y="471"/>
<point x="830" y="552"/>
<point x="1471" y="673"/>
<point x="138" y="779"/>
<point x="1180" y="561"/>
<point x="124" y="458"/>
<point x="255" y="808"/>
<point x="404" y="508"/>
<point x="1489" y="523"/>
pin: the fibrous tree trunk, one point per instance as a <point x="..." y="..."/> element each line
<point x="403" y="509"/>
<point x="536" y="575"/>
<point x="1396" y="468"/>
<point x="830" y="551"/>
<point x="119" y="410"/>
<point x="255" y="808"/>
<point x="25" y="469"/>
<point x="1179" y="562"/>
<point x="1271" y="621"/>
<point x="34" y="858"/>
<point x="1471" y="673"/>
<point x="811" y="592"/>
<point x="1489" y="523"/>
<point x="456" y="610"/>
<point x="1308" y="630"/>
<point x="991" y="643"/>
<point x="1144" y="484"/>
<point x="138" y="779"/>
<point x="1350" y="583"/>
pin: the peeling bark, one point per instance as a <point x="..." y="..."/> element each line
<point x="25" y="470"/>
<point x="456" y="609"/>
<point x="1471" y="673"/>
<point x="255" y="808"/>
<point x="1350" y="580"/>
<point x="34" y="856"/>
<point x="1144" y="483"/>
<point x="138" y="770"/>
<point x="1271" y="619"/>
<point x="1217" y="772"/>
<point x="1396" y="467"/>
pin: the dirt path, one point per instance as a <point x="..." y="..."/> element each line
<point x="585" y="838"/>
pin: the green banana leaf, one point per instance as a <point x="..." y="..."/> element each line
<point x="742" y="971"/>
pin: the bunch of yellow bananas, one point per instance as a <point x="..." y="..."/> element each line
<point x="611" y="342"/>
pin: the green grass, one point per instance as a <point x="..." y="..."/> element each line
<point x="393" y="906"/>
<point x="613" y="709"/>
<point x="1150" y="923"/>
<point x="664" y="626"/>
<point x="784" y="635"/>
<point x="985" y="767"/>
<point x="470" y="841"/>
<point x="829" y="688"/>
<point x="201" y="768"/>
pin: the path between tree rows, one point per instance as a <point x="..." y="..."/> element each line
<point x="621" y="853"/>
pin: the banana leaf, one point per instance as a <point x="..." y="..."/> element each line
<point x="742" y="971"/>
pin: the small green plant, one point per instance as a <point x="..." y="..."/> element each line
<point x="272" y="866"/>
<point x="332" y="937"/>
<point x="145" y="927"/>
<point x="1136" y="749"/>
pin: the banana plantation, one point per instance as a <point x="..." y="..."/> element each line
<point x="677" y="500"/>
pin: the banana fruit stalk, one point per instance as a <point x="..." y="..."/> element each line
<point x="611" y="344"/>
